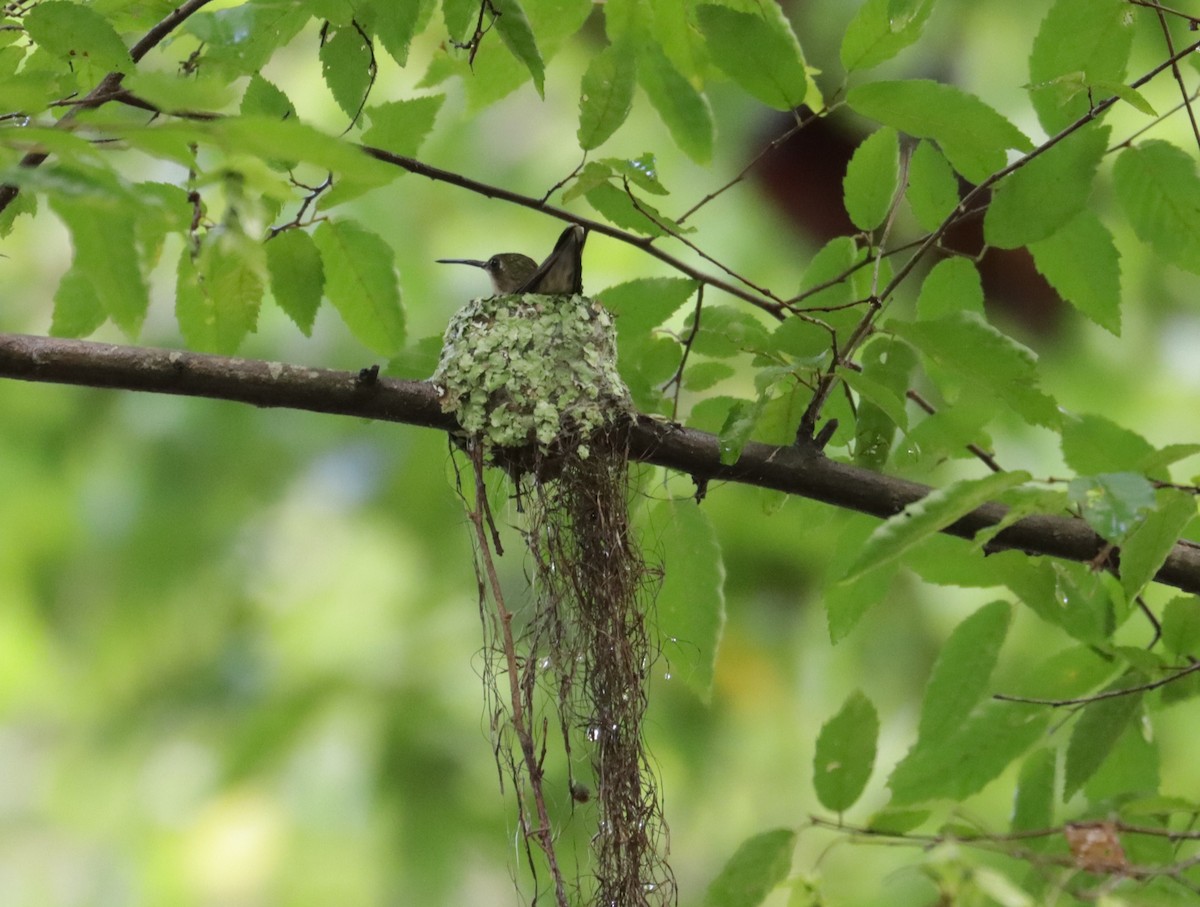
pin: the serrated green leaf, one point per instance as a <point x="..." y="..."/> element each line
<point x="605" y="96"/>
<point x="762" y="56"/>
<point x="1125" y="93"/>
<point x="1033" y="805"/>
<point x="241" y="39"/>
<point x="801" y="339"/>
<point x="1097" y="731"/>
<point x="641" y="171"/>
<point x="1031" y="203"/>
<point x="1082" y="263"/>
<point x="1112" y="503"/>
<point x="77" y="34"/>
<point x="953" y="285"/>
<point x="639" y="305"/>
<point x="830" y="266"/>
<point x="77" y="308"/>
<point x="1146" y="548"/>
<point x="972" y="135"/>
<point x="515" y="31"/>
<point x="1157" y="186"/>
<point x="171" y="92"/>
<point x="619" y="208"/>
<point x="297" y="278"/>
<point x="995" y="363"/>
<point x="932" y="186"/>
<point x="402" y="126"/>
<point x="263" y="98"/>
<point x="232" y="271"/>
<point x="980" y="749"/>
<point x="1090" y="37"/>
<point x="933" y="513"/>
<point x="700" y="376"/>
<point x="871" y="179"/>
<point x="845" y="753"/>
<point x="846" y="602"/>
<point x="103" y="237"/>
<point x="875" y="34"/>
<point x="690" y="605"/>
<point x="360" y="281"/>
<point x="880" y="395"/>
<point x="682" y="108"/>
<point x="346" y="67"/>
<point x="1092" y="445"/>
<point x="726" y="331"/>
<point x="962" y="672"/>
<point x="1181" y="625"/>
<point x="396" y="23"/>
<point x="756" y="868"/>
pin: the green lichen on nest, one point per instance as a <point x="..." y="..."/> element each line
<point x="532" y="371"/>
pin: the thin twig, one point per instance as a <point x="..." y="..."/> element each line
<point x="1106" y="694"/>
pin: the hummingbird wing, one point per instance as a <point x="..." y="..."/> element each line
<point x="562" y="271"/>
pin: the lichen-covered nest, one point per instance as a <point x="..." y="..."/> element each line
<point x="532" y="372"/>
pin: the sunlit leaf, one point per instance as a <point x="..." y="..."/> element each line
<point x="606" y="96"/>
<point x="972" y="135"/>
<point x="360" y="281"/>
<point x="761" y="55"/>
<point x="871" y="179"/>
<point x="1158" y="188"/>
<point x="1082" y="263"/>
<point x="759" y="864"/>
<point x="876" y="34"/>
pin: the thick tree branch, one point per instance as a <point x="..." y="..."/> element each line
<point x="789" y="469"/>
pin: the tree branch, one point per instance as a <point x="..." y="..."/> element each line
<point x="789" y="469"/>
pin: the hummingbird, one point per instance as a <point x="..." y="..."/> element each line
<point x="513" y="273"/>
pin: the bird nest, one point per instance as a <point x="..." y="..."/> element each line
<point x="532" y="376"/>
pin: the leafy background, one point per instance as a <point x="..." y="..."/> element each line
<point x="240" y="647"/>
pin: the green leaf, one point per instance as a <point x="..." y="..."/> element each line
<point x="1181" y="625"/>
<point x="218" y="293"/>
<point x="77" y="308"/>
<point x="402" y="126"/>
<point x="1033" y="202"/>
<point x="831" y="265"/>
<point x="700" y="376"/>
<point x="346" y="68"/>
<point x="977" y="751"/>
<point x="77" y="34"/>
<point x="605" y="96"/>
<point x="756" y="868"/>
<point x="418" y="361"/>
<point x="1093" y="444"/>
<point x="876" y="34"/>
<point x="801" y="339"/>
<point x="1112" y="503"/>
<point x="962" y="672"/>
<point x="641" y="171"/>
<point x="952" y="285"/>
<point x="242" y="39"/>
<point x="993" y="362"/>
<point x="1033" y="805"/>
<point x="845" y="753"/>
<point x="297" y="278"/>
<point x="1088" y="37"/>
<point x="690" y="605"/>
<point x="933" y="513"/>
<point x="932" y="186"/>
<point x="103" y="236"/>
<point x="1097" y="731"/>
<point x="639" y="305"/>
<point x="360" y="281"/>
<point x="171" y="92"/>
<point x="1125" y="93"/>
<point x="879" y="394"/>
<point x="397" y="23"/>
<point x="1081" y="604"/>
<point x="1157" y="186"/>
<point x="871" y="179"/>
<point x="263" y="98"/>
<point x="726" y="331"/>
<point x="619" y="208"/>
<point x="971" y="134"/>
<point x="517" y="35"/>
<point x="1146" y="548"/>
<point x="762" y="56"/>
<point x="1082" y="263"/>
<point x="683" y="109"/>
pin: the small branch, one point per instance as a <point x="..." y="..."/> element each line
<point x="412" y="165"/>
<point x="108" y="86"/>
<point x="787" y="469"/>
<point x="1106" y="694"/>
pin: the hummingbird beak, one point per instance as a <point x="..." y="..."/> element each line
<point x="562" y="271"/>
<point x="474" y="262"/>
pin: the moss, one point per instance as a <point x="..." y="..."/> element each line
<point x="532" y="371"/>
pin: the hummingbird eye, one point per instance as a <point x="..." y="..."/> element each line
<point x="495" y="264"/>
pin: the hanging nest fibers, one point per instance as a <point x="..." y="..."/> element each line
<point x="533" y="382"/>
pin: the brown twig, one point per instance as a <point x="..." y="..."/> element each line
<point x="696" y="453"/>
<point x="1106" y="694"/>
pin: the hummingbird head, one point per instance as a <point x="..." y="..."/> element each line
<point x="508" y="270"/>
